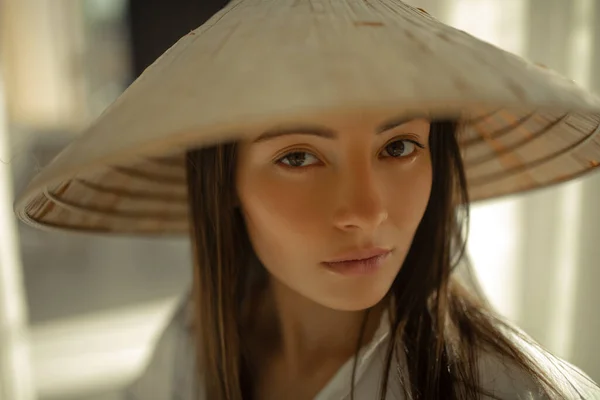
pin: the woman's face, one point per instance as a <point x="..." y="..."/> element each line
<point x="311" y="194"/>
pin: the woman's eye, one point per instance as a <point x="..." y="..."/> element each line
<point x="401" y="148"/>
<point x="298" y="159"/>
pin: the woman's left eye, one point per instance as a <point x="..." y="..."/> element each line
<point x="401" y="148"/>
<point x="298" y="159"/>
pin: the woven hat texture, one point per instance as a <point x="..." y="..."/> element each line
<point x="263" y="63"/>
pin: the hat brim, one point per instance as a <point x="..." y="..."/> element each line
<point x="247" y="69"/>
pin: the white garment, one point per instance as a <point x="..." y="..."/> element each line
<point x="170" y="374"/>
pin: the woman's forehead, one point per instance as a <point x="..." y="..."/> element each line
<point x="334" y="128"/>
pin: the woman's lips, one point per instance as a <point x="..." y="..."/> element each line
<point x="359" y="254"/>
<point x="359" y="266"/>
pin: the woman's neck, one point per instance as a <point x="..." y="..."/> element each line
<point x="302" y="334"/>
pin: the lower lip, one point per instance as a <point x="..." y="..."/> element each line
<point x="359" y="267"/>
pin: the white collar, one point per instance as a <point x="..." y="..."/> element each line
<point x="339" y="386"/>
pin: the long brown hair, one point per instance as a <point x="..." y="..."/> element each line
<point x="440" y="322"/>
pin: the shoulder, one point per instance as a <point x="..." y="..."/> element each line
<point x="170" y="372"/>
<point x="507" y="380"/>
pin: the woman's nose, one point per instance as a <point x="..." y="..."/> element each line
<point x="361" y="205"/>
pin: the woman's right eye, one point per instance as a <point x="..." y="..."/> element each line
<point x="298" y="159"/>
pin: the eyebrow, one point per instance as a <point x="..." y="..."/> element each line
<point x="297" y="130"/>
<point x="325" y="132"/>
<point x="396" y="122"/>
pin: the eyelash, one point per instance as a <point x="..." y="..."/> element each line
<point x="278" y="161"/>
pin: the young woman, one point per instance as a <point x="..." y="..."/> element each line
<point x="321" y="155"/>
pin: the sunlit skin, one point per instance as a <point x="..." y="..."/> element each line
<point x="309" y="194"/>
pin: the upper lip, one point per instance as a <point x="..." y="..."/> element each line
<point x="359" y="254"/>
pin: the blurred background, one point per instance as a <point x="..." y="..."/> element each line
<point x="79" y="314"/>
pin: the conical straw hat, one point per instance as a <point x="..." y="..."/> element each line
<point x="260" y="63"/>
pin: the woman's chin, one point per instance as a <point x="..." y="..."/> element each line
<point x="353" y="302"/>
